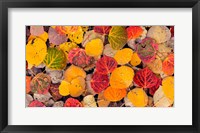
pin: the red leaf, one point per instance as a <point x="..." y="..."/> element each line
<point x="168" y="65"/>
<point x="78" y="57"/>
<point x="99" y="82"/>
<point x="56" y="38"/>
<point x="145" y="78"/>
<point x="172" y="31"/>
<point x="106" y="65"/>
<point x="102" y="29"/>
<point x="134" y="32"/>
<point x="71" y="102"/>
<point x="36" y="30"/>
<point x="153" y="89"/>
<point x="36" y="104"/>
<point x="55" y="92"/>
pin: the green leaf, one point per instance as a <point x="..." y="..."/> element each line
<point x="117" y="37"/>
<point x="55" y="59"/>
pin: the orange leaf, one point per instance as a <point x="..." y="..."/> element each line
<point x="113" y="94"/>
<point x="168" y="65"/>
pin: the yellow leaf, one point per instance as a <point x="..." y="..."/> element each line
<point x="73" y="72"/>
<point x="43" y="36"/>
<point x="94" y="47"/>
<point x="64" y="88"/>
<point x="76" y="36"/>
<point x="67" y="46"/>
<point x="123" y="56"/>
<point x="121" y="77"/>
<point x="36" y="51"/>
<point x="77" y="87"/>
<point x="138" y="97"/>
<point x="89" y="101"/>
<point x="168" y="87"/>
<point x="135" y="59"/>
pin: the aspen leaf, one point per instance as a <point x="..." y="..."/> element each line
<point x="76" y="36"/>
<point x="135" y="32"/>
<point x="138" y="97"/>
<point x="28" y="87"/>
<point x="73" y="72"/>
<point x="117" y="37"/>
<point x="145" y="78"/>
<point x="102" y="102"/>
<point x="36" y="51"/>
<point x="71" y="102"/>
<point x="94" y="47"/>
<point x="67" y="46"/>
<point x="108" y="51"/>
<point x="36" y="30"/>
<point x="43" y="36"/>
<point x="102" y="29"/>
<point x="113" y="94"/>
<point x="55" y="59"/>
<point x="121" y="77"/>
<point x="78" y="57"/>
<point x="135" y="59"/>
<point x="168" y="87"/>
<point x="77" y="87"/>
<point x="55" y="92"/>
<point x="42" y="97"/>
<point x="146" y="50"/>
<point x="89" y="101"/>
<point x="159" y="33"/>
<point x="155" y="66"/>
<point x="90" y="35"/>
<point x="36" y="103"/>
<point x="56" y="38"/>
<point x="168" y="65"/>
<point x="99" y="82"/>
<point x="106" y="65"/>
<point x="123" y="56"/>
<point x="58" y="104"/>
<point x="40" y="83"/>
<point x="64" y="88"/>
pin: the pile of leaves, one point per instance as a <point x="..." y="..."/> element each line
<point x="99" y="66"/>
